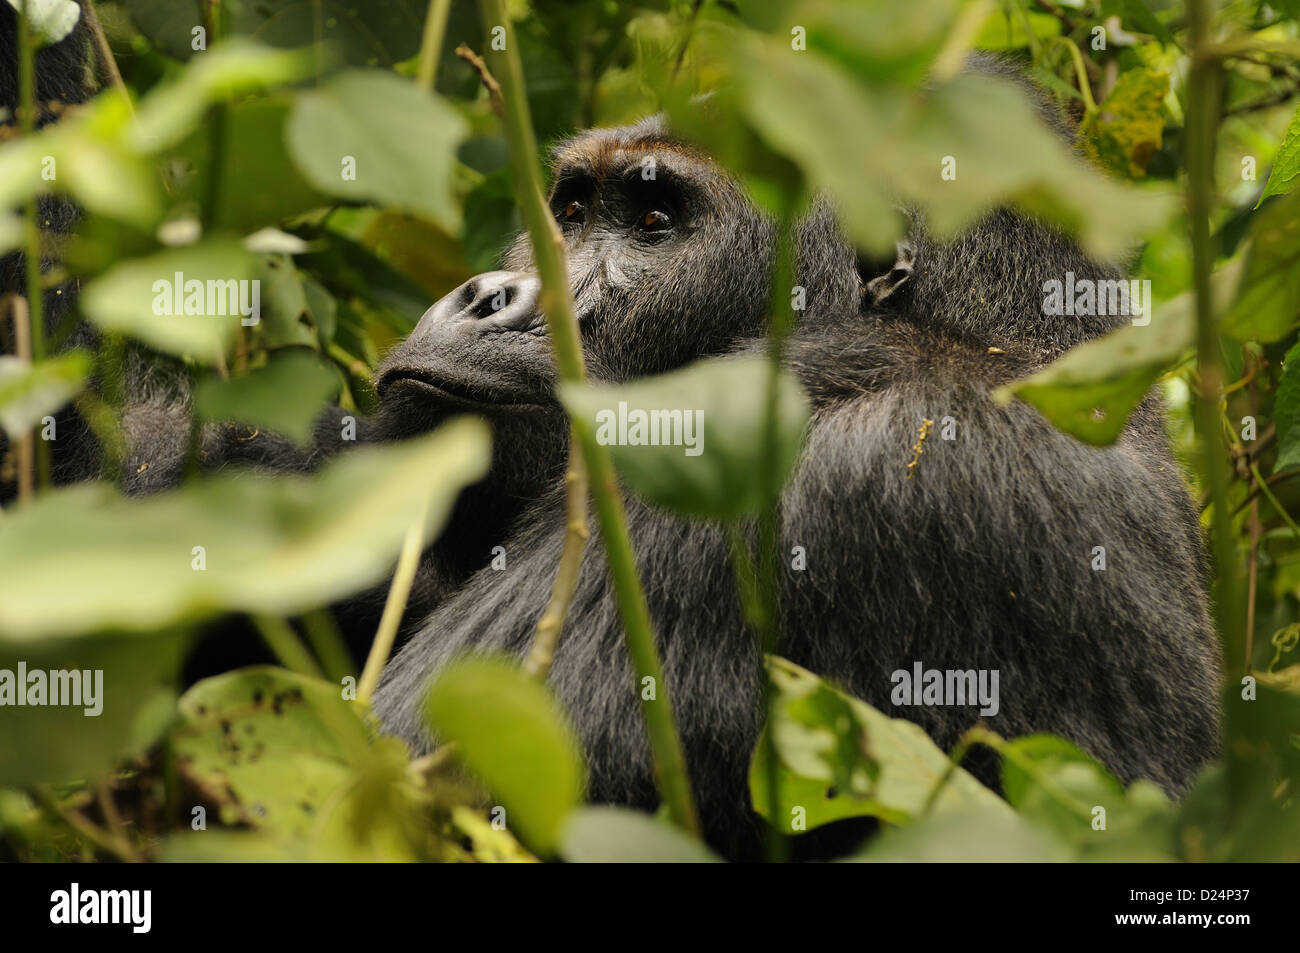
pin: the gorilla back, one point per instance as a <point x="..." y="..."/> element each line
<point x="980" y="557"/>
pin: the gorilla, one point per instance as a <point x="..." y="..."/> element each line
<point x="976" y="554"/>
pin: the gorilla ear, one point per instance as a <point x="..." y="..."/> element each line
<point x="881" y="287"/>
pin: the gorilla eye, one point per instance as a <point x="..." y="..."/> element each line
<point x="573" y="212"/>
<point x="656" y="221"/>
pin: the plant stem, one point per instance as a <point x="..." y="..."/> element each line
<point x="394" y="607"/>
<point x="106" y="58"/>
<point x="542" y="652"/>
<point x="435" y="28"/>
<point x="32" y="222"/>
<point x="286" y="646"/>
<point x="1202" y="125"/>
<point x="562" y="325"/>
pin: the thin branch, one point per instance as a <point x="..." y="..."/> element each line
<point x="394" y="607"/>
<point x="485" y="77"/>
<point x="106" y="59"/>
<point x="547" y="637"/>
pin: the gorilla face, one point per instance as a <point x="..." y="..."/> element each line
<point x="668" y="262"/>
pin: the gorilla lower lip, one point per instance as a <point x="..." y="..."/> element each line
<point x="462" y="394"/>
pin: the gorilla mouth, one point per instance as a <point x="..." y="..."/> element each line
<point x="458" y="393"/>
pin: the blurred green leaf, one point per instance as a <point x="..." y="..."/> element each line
<point x="509" y="731"/>
<point x="233" y="68"/>
<point x="132" y="694"/>
<point x="285" y="396"/>
<point x="371" y="136"/>
<point x="83" y="559"/>
<point x="1268" y="304"/>
<point x="613" y="835"/>
<point x="52" y="20"/>
<point x="29" y="392"/>
<point x="715" y="466"/>
<point x="972" y="837"/>
<point x="184" y="301"/>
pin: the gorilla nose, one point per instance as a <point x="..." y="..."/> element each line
<point x="502" y="300"/>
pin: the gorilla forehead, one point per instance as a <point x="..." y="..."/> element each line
<point x="605" y="153"/>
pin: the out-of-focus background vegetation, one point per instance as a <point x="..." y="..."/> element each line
<point x="226" y="154"/>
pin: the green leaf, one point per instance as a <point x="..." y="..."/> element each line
<point x="615" y="835"/>
<point x="1268" y="305"/>
<point x="269" y="746"/>
<point x="892" y="143"/>
<point x="510" y="732"/>
<point x="983" y="836"/>
<point x="1286" y="164"/>
<point x="1090" y="391"/>
<point x="1055" y="784"/>
<point x="29" y="392"/>
<point x="52" y="20"/>
<point x="285" y="396"/>
<point x="83" y="559"/>
<point x="139" y="297"/>
<point x="1004" y="30"/>
<point x="1128" y="126"/>
<point x="1286" y="412"/>
<point x="132" y="697"/>
<point x="839" y="757"/>
<point x="711" y="463"/>
<point x="235" y="67"/>
<point x="371" y="136"/>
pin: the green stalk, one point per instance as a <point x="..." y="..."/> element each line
<point x="286" y="646"/>
<point x="562" y="324"/>
<point x="435" y="28"/>
<point x="1202" y="110"/>
<point x="1202" y="125"/>
<point x="32" y="224"/>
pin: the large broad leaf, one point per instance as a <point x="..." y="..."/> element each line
<point x="84" y="559"/>
<point x="30" y="391"/>
<point x="286" y="395"/>
<point x="268" y="746"/>
<point x="613" y="835"/>
<point x="693" y="439"/>
<point x="370" y="136"/>
<point x="189" y="301"/>
<point x="116" y="696"/>
<point x="509" y="731"/>
<point x="288" y="756"/>
<point x="361" y="31"/>
<point x="1092" y="389"/>
<point x="839" y="757"/>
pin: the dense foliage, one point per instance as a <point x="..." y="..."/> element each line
<point x="348" y="157"/>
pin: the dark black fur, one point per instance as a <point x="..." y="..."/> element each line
<point x="980" y="560"/>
